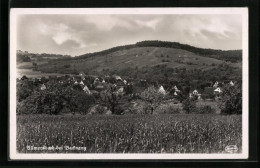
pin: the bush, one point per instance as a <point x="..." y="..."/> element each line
<point x="206" y="110"/>
<point x="97" y="109"/>
<point x="189" y="105"/>
<point x="167" y="109"/>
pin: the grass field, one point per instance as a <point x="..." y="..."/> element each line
<point x="180" y="133"/>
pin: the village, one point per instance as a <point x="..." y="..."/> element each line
<point x="126" y="90"/>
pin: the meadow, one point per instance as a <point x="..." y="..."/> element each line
<point x="165" y="133"/>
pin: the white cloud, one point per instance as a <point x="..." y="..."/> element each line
<point x="150" y="23"/>
<point x="107" y="22"/>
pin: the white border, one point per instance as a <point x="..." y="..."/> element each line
<point x="12" y="114"/>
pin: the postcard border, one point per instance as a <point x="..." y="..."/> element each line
<point x="12" y="106"/>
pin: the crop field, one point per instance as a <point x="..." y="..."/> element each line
<point x="178" y="133"/>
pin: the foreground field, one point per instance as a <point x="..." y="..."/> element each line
<point x="178" y="133"/>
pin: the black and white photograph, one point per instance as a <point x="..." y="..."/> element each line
<point x="128" y="83"/>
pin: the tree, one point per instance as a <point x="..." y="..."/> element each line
<point x="80" y="102"/>
<point x="152" y="97"/>
<point x="231" y="100"/>
<point x="111" y="98"/>
<point x="24" y="89"/>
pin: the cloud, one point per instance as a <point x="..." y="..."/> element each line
<point x="79" y="34"/>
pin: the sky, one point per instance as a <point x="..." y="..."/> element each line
<point x="80" y="34"/>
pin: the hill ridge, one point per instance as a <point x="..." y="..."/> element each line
<point x="226" y="55"/>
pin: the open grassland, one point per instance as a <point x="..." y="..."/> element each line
<point x="180" y="133"/>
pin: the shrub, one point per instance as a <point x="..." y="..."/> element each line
<point x="97" y="109"/>
<point x="189" y="105"/>
<point x="167" y="109"/>
<point x="206" y="110"/>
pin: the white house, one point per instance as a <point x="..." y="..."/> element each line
<point x="43" y="87"/>
<point x="103" y="81"/>
<point x="231" y="83"/>
<point x="176" y="89"/>
<point x="81" y="82"/>
<point x="85" y="89"/>
<point x="125" y="82"/>
<point x="215" y="84"/>
<point x="76" y="82"/>
<point x="161" y="90"/>
<point x="217" y="90"/>
<point x="175" y="93"/>
<point x="195" y="92"/>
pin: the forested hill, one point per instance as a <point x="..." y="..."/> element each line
<point x="225" y="55"/>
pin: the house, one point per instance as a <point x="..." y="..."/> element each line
<point x="217" y="90"/>
<point x="86" y="90"/>
<point x="176" y="89"/>
<point x="81" y="83"/>
<point x="76" y="82"/>
<point x="125" y="82"/>
<point x="195" y="93"/>
<point x="175" y="93"/>
<point x="161" y="90"/>
<point x="103" y="81"/>
<point x="43" y="87"/>
<point x="231" y="83"/>
<point x="215" y="84"/>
